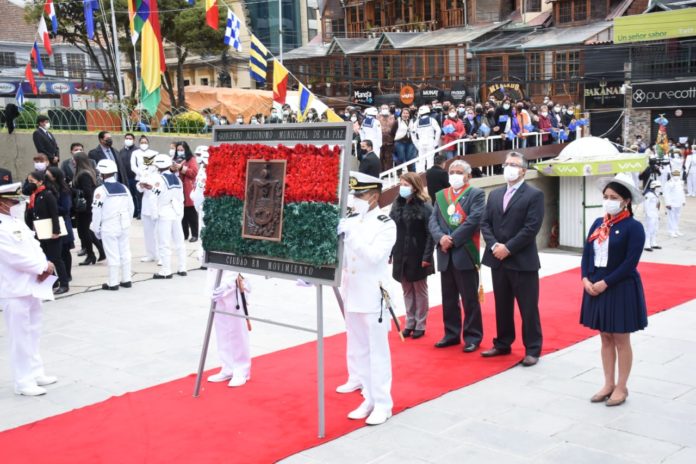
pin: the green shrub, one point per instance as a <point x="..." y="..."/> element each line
<point x="27" y="117"/>
<point x="189" y="122"/>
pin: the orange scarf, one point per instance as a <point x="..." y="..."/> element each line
<point x="32" y="198"/>
<point x="601" y="233"/>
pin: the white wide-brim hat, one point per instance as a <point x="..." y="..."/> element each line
<point x="627" y="181"/>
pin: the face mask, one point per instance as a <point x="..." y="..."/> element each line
<point x="511" y="173"/>
<point x="286" y="113"/>
<point x="353" y="118"/>
<point x="397" y="113"/>
<point x="385" y="112"/>
<point x="570" y="112"/>
<point x="346" y="114"/>
<point x="470" y="117"/>
<point x="180" y="154"/>
<point x="144" y="146"/>
<point x="557" y="110"/>
<point x="612" y="207"/>
<point x="456" y="181"/>
<point x="506" y="106"/>
<point x="405" y="191"/>
<point x="254" y="121"/>
<point x="274" y="114"/>
<point x="544" y="113"/>
<point x="239" y="120"/>
<point x="171" y="152"/>
<point x="29" y="188"/>
<point x="17" y="211"/>
<point x="453" y="115"/>
<point x="108" y="142"/>
<point x="461" y="110"/>
<point x="128" y="143"/>
<point x="361" y="206"/>
<point x="40" y="166"/>
<point x="47" y="125"/>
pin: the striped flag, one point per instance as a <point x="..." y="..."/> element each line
<point x="152" y="63"/>
<point x="211" y="13"/>
<point x="232" y="31"/>
<point x="50" y="11"/>
<point x="331" y="116"/>
<point x="280" y="82"/>
<point x="43" y="34"/>
<point x="89" y="7"/>
<point x="29" y="75"/>
<point x="19" y="97"/>
<point x="306" y="98"/>
<point x="36" y="56"/>
<point x="257" y="60"/>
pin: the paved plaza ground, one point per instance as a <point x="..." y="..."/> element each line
<point x="102" y="344"/>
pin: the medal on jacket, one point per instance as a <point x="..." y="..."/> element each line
<point x="451" y="209"/>
<point x="455" y="218"/>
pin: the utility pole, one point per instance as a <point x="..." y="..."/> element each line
<point x="117" y="61"/>
<point x="280" y="30"/>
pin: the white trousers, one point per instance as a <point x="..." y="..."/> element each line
<point x="232" y="339"/>
<point x="118" y="257"/>
<point x="23" y="319"/>
<point x="150" y="235"/>
<point x="651" y="225"/>
<point x="423" y="164"/>
<point x="673" y="215"/>
<point x="691" y="182"/>
<point x="170" y="235"/>
<point x="368" y="345"/>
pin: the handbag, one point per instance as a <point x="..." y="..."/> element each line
<point x="79" y="202"/>
<point x="44" y="228"/>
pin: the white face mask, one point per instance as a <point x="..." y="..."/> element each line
<point x="385" y="112"/>
<point x="240" y="120"/>
<point x="17" y="211"/>
<point x="353" y="118"/>
<point x="612" y="207"/>
<point x="180" y="154"/>
<point x="511" y="173"/>
<point x="361" y="206"/>
<point x="456" y="181"/>
<point x="557" y="109"/>
<point x="144" y="146"/>
<point x="40" y="166"/>
<point x="506" y="106"/>
<point x="128" y="143"/>
<point x="544" y="113"/>
<point x="171" y="152"/>
<point x="453" y="115"/>
<point x="254" y="121"/>
<point x="47" y="125"/>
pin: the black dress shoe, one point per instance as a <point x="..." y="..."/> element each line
<point x="494" y="352"/>
<point x="656" y="247"/>
<point x="101" y="258"/>
<point x="107" y="287"/>
<point x="417" y="334"/>
<point x="407" y="332"/>
<point x="470" y="347"/>
<point x="61" y="290"/>
<point x="529" y="361"/>
<point x="126" y="284"/>
<point x="160" y="276"/>
<point x="193" y="239"/>
<point x="182" y="273"/>
<point x="647" y="249"/>
<point x="88" y="260"/>
<point x="82" y="252"/>
<point x="446" y="342"/>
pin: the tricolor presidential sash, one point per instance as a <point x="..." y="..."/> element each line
<point x="454" y="215"/>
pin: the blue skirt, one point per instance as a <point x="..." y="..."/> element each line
<point x="619" y="309"/>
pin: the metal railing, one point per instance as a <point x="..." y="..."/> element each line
<point x="391" y="176"/>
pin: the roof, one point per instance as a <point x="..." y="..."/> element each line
<point x="619" y="9"/>
<point x="438" y="38"/>
<point x="12" y="25"/>
<point x="350" y="46"/>
<point x="307" y="51"/>
<point x="588" y="33"/>
<point x="504" y="40"/>
<point x="666" y="5"/>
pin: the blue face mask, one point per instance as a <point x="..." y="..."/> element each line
<point x="405" y="191"/>
<point x="397" y="112"/>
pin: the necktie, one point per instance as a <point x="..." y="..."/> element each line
<point x="506" y="198"/>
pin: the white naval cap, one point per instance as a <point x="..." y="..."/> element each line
<point x="163" y="161"/>
<point x="360" y="182"/>
<point x="13" y="190"/>
<point x="106" y="166"/>
<point x="371" y="111"/>
<point x="425" y="109"/>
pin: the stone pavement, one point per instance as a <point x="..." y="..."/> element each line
<point x="102" y="344"/>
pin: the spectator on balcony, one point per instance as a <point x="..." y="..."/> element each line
<point x="471" y="128"/>
<point x="389" y="128"/>
<point x="544" y="124"/>
<point x="452" y="129"/>
<point x="503" y="117"/>
<point x="524" y="123"/>
<point x="371" y="129"/>
<point x="427" y="137"/>
<point x="404" y="149"/>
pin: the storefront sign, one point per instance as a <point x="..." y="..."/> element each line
<point x="8" y="87"/>
<point x="603" y="95"/>
<point x="430" y="94"/>
<point x="458" y="94"/>
<point x="364" y="96"/>
<point x="407" y="95"/>
<point x="664" y="95"/>
<point x="511" y="90"/>
<point x="655" y="26"/>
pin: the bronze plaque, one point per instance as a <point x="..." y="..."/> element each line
<point x="263" y="204"/>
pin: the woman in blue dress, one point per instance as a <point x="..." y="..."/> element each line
<point x="613" y="301"/>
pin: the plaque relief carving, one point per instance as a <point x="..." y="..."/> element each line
<point x="263" y="203"/>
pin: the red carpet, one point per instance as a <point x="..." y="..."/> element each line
<point x="275" y="415"/>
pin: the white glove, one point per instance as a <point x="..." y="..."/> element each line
<point x="221" y="292"/>
<point x="343" y="227"/>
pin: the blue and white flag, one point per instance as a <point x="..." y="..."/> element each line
<point x="19" y="97"/>
<point x="232" y="31"/>
<point x="90" y="6"/>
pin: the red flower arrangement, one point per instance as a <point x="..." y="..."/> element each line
<point x="312" y="172"/>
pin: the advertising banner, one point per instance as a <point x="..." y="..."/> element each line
<point x="664" y="95"/>
<point x="655" y="26"/>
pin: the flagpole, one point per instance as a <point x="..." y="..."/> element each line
<point x="117" y="61"/>
<point x="280" y="29"/>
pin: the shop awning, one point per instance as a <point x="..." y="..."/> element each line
<point x="440" y="37"/>
<point x="592" y="156"/>
<point x="560" y="36"/>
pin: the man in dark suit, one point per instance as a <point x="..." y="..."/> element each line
<point x="513" y="217"/>
<point x="44" y="142"/>
<point x="454" y="226"/>
<point x="436" y="178"/>
<point x="106" y="151"/>
<point x="369" y="163"/>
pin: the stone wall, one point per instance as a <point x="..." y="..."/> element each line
<point x="638" y="124"/>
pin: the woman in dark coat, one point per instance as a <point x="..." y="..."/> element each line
<point x="412" y="255"/>
<point x="86" y="180"/>
<point x="613" y="301"/>
<point x="43" y="205"/>
<point x="64" y="197"/>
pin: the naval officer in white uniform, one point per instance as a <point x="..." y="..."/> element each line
<point x="112" y="211"/>
<point x="368" y="237"/>
<point x="22" y="268"/>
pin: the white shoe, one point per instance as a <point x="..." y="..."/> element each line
<point x="361" y="412"/>
<point x="348" y="387"/>
<point x="46" y="380"/>
<point x="146" y="259"/>
<point x="219" y="377"/>
<point x="238" y="381"/>
<point x="378" y="417"/>
<point x="32" y="390"/>
<point x="159" y="262"/>
<point x="673" y="235"/>
<point x="679" y="234"/>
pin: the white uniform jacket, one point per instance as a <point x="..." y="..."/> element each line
<point x="690" y="165"/>
<point x="137" y="162"/>
<point x="197" y="194"/>
<point x="673" y="192"/>
<point x="427" y="132"/>
<point x="167" y="197"/>
<point x="22" y="259"/>
<point x="651" y="205"/>
<point x="147" y="175"/>
<point x="368" y="242"/>
<point x="371" y="130"/>
<point x="112" y="208"/>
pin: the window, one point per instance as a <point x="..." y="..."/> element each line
<point x="76" y="65"/>
<point x="536" y="74"/>
<point x="45" y="60"/>
<point x="494" y="68"/>
<point x="565" y="12"/>
<point x="58" y="63"/>
<point x="580" y="10"/>
<point x="598" y="9"/>
<point x="187" y="82"/>
<point x="517" y="67"/>
<point x="204" y="81"/>
<point x="8" y="60"/>
<point x="533" y="6"/>
<point x="566" y="68"/>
